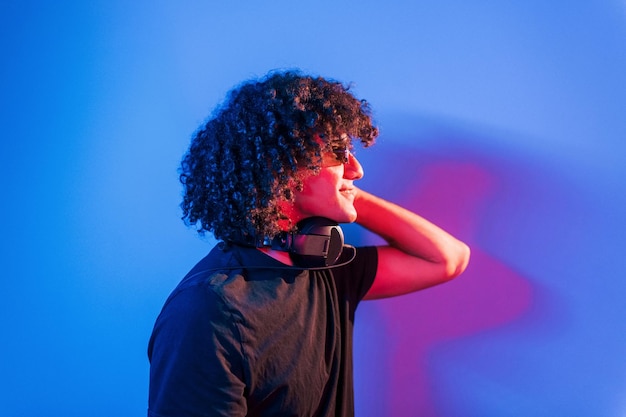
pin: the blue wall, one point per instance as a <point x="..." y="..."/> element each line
<point x="503" y="122"/>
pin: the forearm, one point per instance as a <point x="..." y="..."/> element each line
<point x="410" y="233"/>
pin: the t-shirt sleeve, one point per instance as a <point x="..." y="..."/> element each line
<point x="196" y="366"/>
<point x="356" y="278"/>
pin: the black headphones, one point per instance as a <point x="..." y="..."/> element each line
<point x="317" y="242"/>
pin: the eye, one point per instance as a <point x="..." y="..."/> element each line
<point x="342" y="153"/>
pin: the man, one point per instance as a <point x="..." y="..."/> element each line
<point x="263" y="324"/>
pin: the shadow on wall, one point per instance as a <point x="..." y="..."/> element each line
<point x="481" y="198"/>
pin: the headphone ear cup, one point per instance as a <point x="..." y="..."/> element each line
<point x="335" y="247"/>
<point x="318" y="243"/>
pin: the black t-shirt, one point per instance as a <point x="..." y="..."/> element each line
<point x="253" y="339"/>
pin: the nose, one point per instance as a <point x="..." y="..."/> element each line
<point x="352" y="169"/>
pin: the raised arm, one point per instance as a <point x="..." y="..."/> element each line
<point x="418" y="255"/>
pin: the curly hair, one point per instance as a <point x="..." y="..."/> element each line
<point x="244" y="159"/>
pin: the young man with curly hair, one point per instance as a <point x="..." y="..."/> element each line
<point x="263" y="324"/>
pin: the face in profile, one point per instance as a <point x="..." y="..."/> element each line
<point x="331" y="192"/>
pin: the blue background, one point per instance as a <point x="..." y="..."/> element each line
<point x="501" y="121"/>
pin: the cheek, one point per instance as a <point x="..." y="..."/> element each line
<point x="327" y="179"/>
<point x="318" y="189"/>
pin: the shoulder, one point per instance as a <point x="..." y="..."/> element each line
<point x="197" y="297"/>
<point x="358" y="261"/>
<point x="356" y="277"/>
